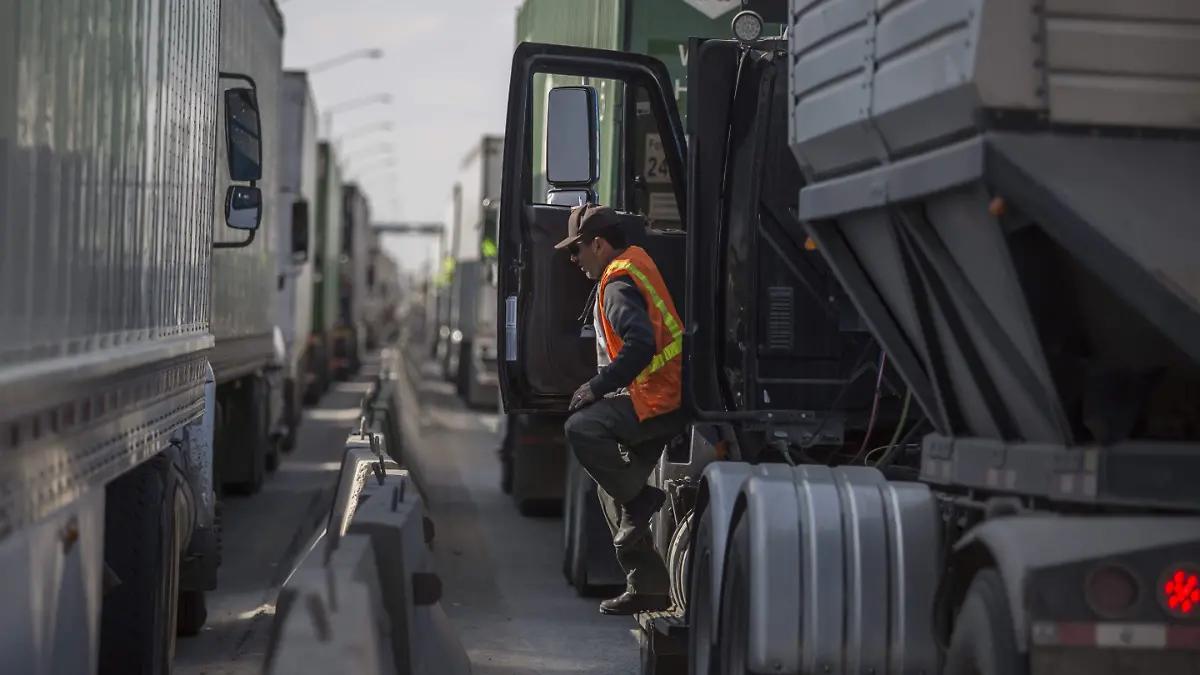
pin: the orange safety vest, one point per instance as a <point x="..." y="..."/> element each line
<point x="657" y="389"/>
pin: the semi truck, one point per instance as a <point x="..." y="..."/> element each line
<point x="294" y="269"/>
<point x="326" y="255"/>
<point x="248" y="358"/>
<point x="349" y="331"/>
<point x="384" y="296"/>
<point x="994" y="187"/>
<point x="109" y="175"/>
<point x="471" y="319"/>
<point x="634" y="173"/>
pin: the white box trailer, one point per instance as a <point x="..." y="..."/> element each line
<point x="294" y="264"/>
<point x="246" y="358"/>
<point x="108" y="179"/>
<point x="473" y="310"/>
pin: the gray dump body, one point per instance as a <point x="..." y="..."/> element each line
<point x="1007" y="191"/>
<point x="243" y="279"/>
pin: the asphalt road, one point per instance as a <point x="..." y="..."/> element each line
<point x="503" y="585"/>
<point x="263" y="537"/>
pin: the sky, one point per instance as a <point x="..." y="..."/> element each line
<point x="446" y="66"/>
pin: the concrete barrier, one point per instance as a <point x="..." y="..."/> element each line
<point x="365" y="598"/>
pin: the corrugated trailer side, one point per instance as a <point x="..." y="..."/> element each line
<point x="244" y="279"/>
<point x="297" y="199"/>
<point x="108" y="117"/>
<point x="250" y="389"/>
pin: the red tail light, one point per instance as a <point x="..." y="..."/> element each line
<point x="1179" y="591"/>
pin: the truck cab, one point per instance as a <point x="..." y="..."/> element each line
<point x="778" y="364"/>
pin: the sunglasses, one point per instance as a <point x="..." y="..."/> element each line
<point x="573" y="249"/>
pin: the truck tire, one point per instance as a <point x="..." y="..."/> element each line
<point x="192" y="614"/>
<point x="734" y="615"/>
<point x="462" y="379"/>
<point x="703" y="655"/>
<point x="142" y="546"/>
<point x="247" y="432"/>
<point x="577" y="526"/>
<point x="568" y="529"/>
<point x="982" y="642"/>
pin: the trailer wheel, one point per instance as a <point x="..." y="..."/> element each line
<point x="192" y="614"/>
<point x="983" y="642"/>
<point x="568" y="561"/>
<point x="142" y="546"/>
<point x="247" y="433"/>
<point x="702" y="652"/>
<point x="735" y="602"/>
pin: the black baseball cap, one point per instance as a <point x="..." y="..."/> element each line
<point x="588" y="220"/>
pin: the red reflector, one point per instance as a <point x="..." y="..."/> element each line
<point x="1181" y="591"/>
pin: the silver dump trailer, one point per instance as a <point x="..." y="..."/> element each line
<point x="249" y="357"/>
<point x="1006" y="191"/>
<point x="108" y="190"/>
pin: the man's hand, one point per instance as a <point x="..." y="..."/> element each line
<point x="583" y="397"/>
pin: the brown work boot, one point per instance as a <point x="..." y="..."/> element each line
<point x="636" y="515"/>
<point x="630" y="603"/>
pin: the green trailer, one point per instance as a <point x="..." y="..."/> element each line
<point x="326" y="257"/>
<point x="659" y="28"/>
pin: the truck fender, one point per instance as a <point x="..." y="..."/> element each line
<point x="720" y="485"/>
<point x="195" y="461"/>
<point x="1016" y="544"/>
<point x="839" y="557"/>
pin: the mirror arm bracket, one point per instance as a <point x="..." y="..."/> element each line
<point x="236" y="244"/>
<point x="238" y="76"/>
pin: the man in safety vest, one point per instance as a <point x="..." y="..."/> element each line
<point x="626" y="413"/>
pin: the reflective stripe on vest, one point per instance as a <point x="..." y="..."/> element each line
<point x="675" y="348"/>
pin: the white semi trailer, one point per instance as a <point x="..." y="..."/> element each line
<point x="248" y="358"/>
<point x="294" y="267"/>
<point x="996" y="189"/>
<point x="115" y="153"/>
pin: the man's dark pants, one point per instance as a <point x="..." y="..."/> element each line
<point x="620" y="452"/>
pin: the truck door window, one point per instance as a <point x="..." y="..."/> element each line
<point x="609" y="91"/>
<point x="647" y="181"/>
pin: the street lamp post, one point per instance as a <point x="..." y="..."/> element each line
<point x="362" y="130"/>
<point x="368" y="151"/>
<point x="343" y="59"/>
<point x="360" y="102"/>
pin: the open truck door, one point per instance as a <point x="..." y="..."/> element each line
<point x="545" y="351"/>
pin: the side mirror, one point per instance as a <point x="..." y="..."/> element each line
<point x="243" y="207"/>
<point x="570" y="197"/>
<point x="300" y="231"/>
<point x="243" y="135"/>
<point x="572" y="137"/>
